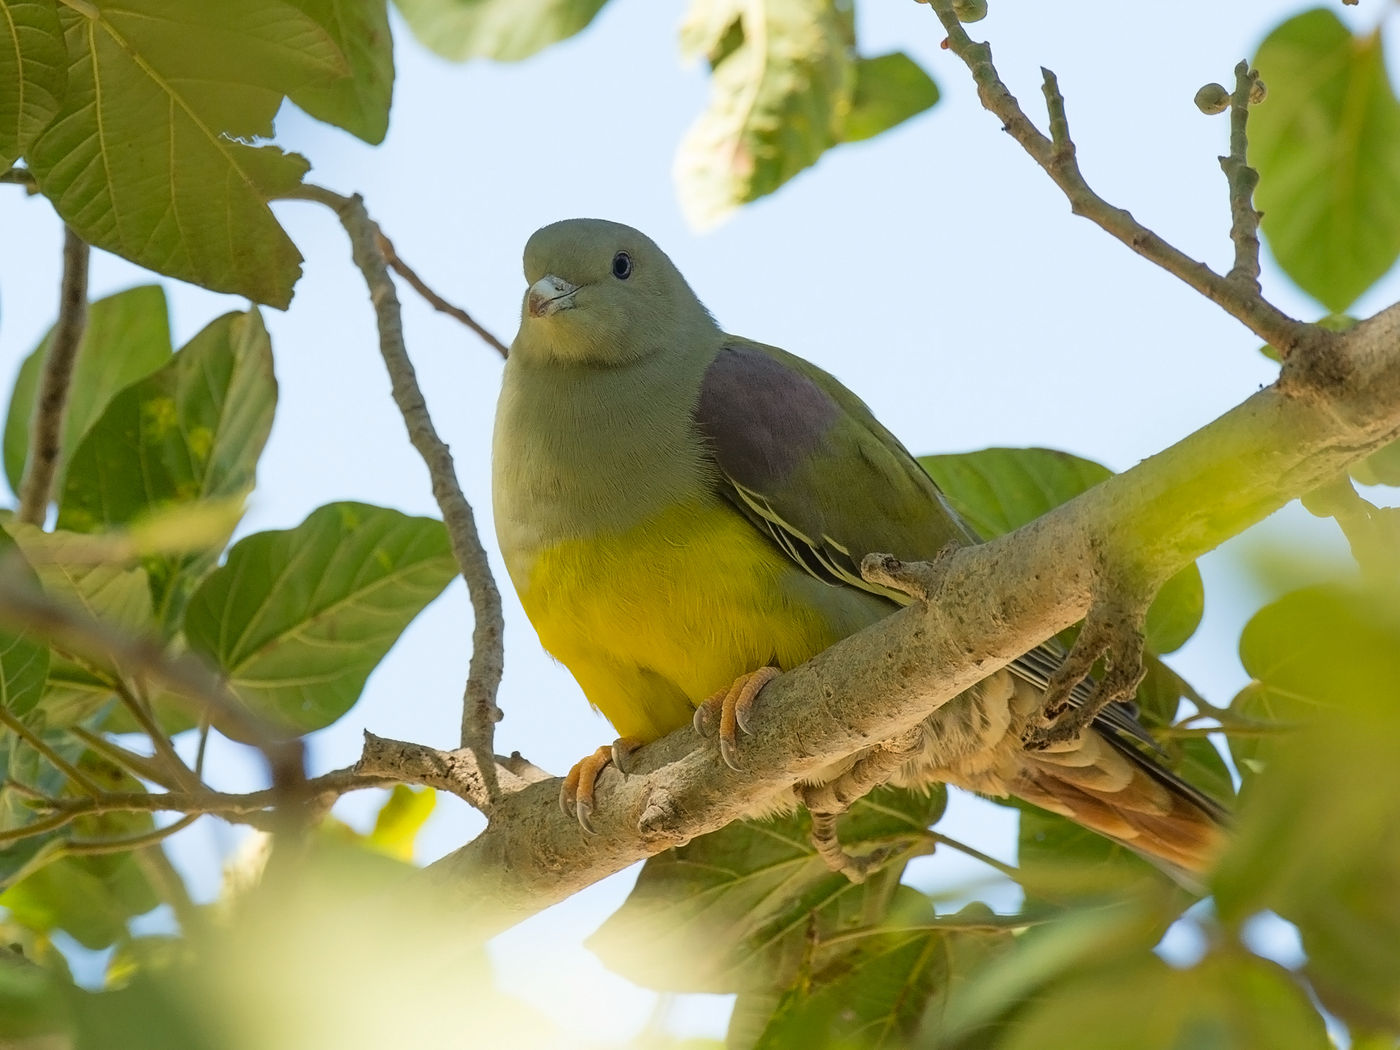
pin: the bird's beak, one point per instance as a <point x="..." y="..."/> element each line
<point x="549" y="295"/>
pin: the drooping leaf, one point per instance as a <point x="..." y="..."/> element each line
<point x="127" y="337"/>
<point x="780" y="89"/>
<point x="24" y="662"/>
<point x="506" y="30"/>
<point x="889" y="90"/>
<point x="34" y="70"/>
<point x="118" y="595"/>
<point x="1318" y="834"/>
<point x="1326" y="142"/>
<point x="151" y="154"/>
<point x="1000" y="489"/>
<point x="736" y="910"/>
<point x="358" y="102"/>
<point x="297" y="619"/>
<point x="191" y="431"/>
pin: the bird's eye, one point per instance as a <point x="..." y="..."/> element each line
<point x="622" y="266"/>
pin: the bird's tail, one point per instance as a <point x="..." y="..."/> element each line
<point x="1108" y="785"/>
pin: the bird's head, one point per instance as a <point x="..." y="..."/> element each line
<point x="602" y="293"/>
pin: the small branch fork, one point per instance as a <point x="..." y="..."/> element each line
<point x="437" y="302"/>
<point x="1237" y="294"/>
<point x="479" y="710"/>
<point x="50" y="406"/>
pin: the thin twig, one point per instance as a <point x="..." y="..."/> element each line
<point x="479" y="710"/>
<point x="1057" y="158"/>
<point x="962" y="847"/>
<point x="142" y="766"/>
<point x="51" y="401"/>
<point x="458" y="772"/>
<point x="437" y="302"/>
<point x="170" y="884"/>
<point x="943" y="924"/>
<point x="182" y="773"/>
<point x="1242" y="179"/>
<point x="37" y="827"/>
<point x="39" y="744"/>
<point x="96" y="847"/>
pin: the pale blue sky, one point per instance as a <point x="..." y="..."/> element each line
<point x="934" y="269"/>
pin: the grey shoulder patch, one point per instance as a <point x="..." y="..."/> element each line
<point x="760" y="417"/>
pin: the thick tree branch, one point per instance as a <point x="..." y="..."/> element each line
<point x="51" y="399"/>
<point x="479" y="710"/>
<point x="1057" y="156"/>
<point x="988" y="604"/>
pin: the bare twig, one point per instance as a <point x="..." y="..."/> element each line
<point x="457" y="771"/>
<point x="182" y="774"/>
<point x="51" y="400"/>
<point x="1244" y="219"/>
<point x="1057" y="157"/>
<point x="143" y="766"/>
<point x="437" y="302"/>
<point x="479" y="710"/>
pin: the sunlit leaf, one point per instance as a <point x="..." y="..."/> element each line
<point x="889" y="90"/>
<point x="24" y="662"/>
<point x="1318" y="836"/>
<point x="189" y="432"/>
<point x="780" y="89"/>
<point x="1326" y="142"/>
<point x="296" y="619"/>
<point x="34" y="70"/>
<point x="151" y="154"/>
<point x="127" y="337"/>
<point x="358" y="102"/>
<point x="735" y="910"/>
<point x="506" y="30"/>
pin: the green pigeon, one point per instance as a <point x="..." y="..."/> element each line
<point x="683" y="513"/>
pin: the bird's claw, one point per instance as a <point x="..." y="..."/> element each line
<point x="1112" y="631"/>
<point x="734" y="705"/>
<point x="576" y="793"/>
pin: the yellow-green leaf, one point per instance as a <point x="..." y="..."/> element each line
<point x="1326" y="142"/>
<point x="33" y="72"/>
<point x="506" y="30"/>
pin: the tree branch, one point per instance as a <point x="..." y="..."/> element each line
<point x="988" y="604"/>
<point x="1057" y="156"/>
<point x="51" y="400"/>
<point x="479" y="710"/>
<point x="1242" y="179"/>
<point x="437" y="302"/>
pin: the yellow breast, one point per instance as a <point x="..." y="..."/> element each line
<point x="654" y="619"/>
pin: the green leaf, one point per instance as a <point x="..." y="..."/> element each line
<point x="150" y="155"/>
<point x="191" y="431"/>
<point x="297" y="619"/>
<point x="1326" y="142"/>
<point x="1000" y="489"/>
<point x="1226" y="1002"/>
<point x="1318" y="834"/>
<point x="735" y="910"/>
<point x="889" y="90"/>
<point x="24" y="662"/>
<point x="127" y="337"/>
<point x="89" y="897"/>
<point x="506" y="30"/>
<point x="359" y="102"/>
<point x="778" y="96"/>
<point x="871" y="995"/>
<point x="118" y="595"/>
<point x="400" y="819"/>
<point x="33" y="59"/>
